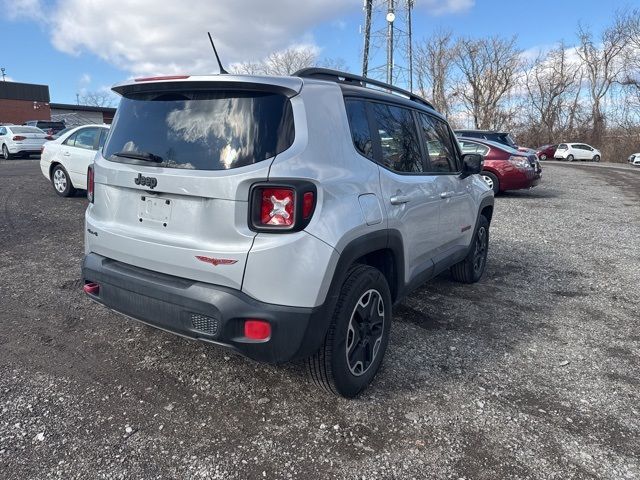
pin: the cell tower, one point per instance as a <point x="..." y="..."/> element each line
<point x="388" y="51"/>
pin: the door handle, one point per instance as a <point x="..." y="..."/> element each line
<point x="444" y="195"/>
<point x="66" y="154"/>
<point x="399" y="199"/>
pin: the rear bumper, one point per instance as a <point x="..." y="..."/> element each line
<point x="516" y="180"/>
<point x="205" y="312"/>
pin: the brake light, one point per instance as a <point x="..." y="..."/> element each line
<point x="168" y="77"/>
<point x="17" y="138"/>
<point x="277" y="206"/>
<point x="281" y="208"/>
<point x="257" y="329"/>
<point x="90" y="184"/>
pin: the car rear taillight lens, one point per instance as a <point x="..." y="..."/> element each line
<point x="282" y="207"/>
<point x="257" y="329"/>
<point x="91" y="288"/>
<point x="519" y="162"/>
<point x="90" y="184"/>
<point x="277" y="206"/>
<point x="18" y="138"/>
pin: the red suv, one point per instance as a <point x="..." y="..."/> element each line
<point x="505" y="168"/>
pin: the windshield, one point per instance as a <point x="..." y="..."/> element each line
<point x="204" y="130"/>
<point x="26" y="130"/>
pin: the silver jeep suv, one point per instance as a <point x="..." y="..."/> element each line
<point x="280" y="217"/>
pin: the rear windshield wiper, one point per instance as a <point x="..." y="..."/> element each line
<point x="149" y="157"/>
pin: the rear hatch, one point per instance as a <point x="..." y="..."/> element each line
<point x="28" y="138"/>
<point x="172" y="182"/>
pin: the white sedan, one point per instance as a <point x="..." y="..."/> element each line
<point x="21" y="140"/>
<point x="65" y="160"/>
<point x="635" y="159"/>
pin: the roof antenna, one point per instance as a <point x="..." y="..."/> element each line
<point x="222" y="70"/>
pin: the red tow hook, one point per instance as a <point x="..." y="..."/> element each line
<point x="91" y="288"/>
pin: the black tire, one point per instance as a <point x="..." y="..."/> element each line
<point x="61" y="182"/>
<point x="569" y="158"/>
<point x="492" y="181"/>
<point x="471" y="269"/>
<point x="5" y="153"/>
<point x="596" y="158"/>
<point x="331" y="367"/>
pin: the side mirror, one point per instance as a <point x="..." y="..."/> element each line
<point x="471" y="164"/>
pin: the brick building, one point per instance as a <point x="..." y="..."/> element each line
<point x="20" y="102"/>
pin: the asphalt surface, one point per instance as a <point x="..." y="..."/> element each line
<point x="531" y="373"/>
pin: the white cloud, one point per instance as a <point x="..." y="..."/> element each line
<point x="148" y="37"/>
<point x="85" y="79"/>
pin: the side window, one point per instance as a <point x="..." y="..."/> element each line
<point x="87" y="138"/>
<point x="469" y="147"/>
<point x="440" y="147"/>
<point x="3" y="131"/>
<point x="71" y="140"/>
<point x="398" y="138"/>
<point x="103" y="136"/>
<point x="359" y="125"/>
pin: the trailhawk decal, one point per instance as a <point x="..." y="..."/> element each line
<point x="216" y="261"/>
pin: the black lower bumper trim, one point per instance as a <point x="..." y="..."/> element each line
<point x="204" y="311"/>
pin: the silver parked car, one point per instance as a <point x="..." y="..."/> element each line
<point x="280" y="217"/>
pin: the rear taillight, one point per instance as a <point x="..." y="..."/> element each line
<point x="18" y="138"/>
<point x="282" y="207"/>
<point x="90" y="184"/>
<point x="277" y="206"/>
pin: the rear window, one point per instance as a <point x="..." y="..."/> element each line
<point x="46" y="125"/>
<point x="26" y="130"/>
<point x="203" y="130"/>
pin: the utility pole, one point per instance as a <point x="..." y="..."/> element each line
<point x="3" y="74"/>
<point x="388" y="51"/>
<point x="77" y="99"/>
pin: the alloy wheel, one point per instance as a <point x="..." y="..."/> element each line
<point x="480" y="250"/>
<point x="5" y="152"/>
<point x="488" y="180"/>
<point x="364" y="334"/>
<point x="59" y="180"/>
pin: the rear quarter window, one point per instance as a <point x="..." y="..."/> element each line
<point x="201" y="130"/>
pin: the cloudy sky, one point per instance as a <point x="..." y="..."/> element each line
<point x="79" y="45"/>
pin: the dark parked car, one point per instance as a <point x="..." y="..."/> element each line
<point x="505" y="168"/>
<point x="47" y="126"/>
<point x="546" y="151"/>
<point x="500" y="137"/>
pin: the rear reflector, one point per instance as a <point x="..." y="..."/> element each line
<point x="257" y="329"/>
<point x="169" y="77"/>
<point x="91" y="288"/>
<point x="308" y="202"/>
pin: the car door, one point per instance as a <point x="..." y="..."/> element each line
<point x="457" y="213"/>
<point x="77" y="154"/>
<point x="409" y="192"/>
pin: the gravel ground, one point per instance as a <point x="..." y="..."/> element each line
<point x="531" y="373"/>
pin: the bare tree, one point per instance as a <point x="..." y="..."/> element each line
<point x="602" y="63"/>
<point x="434" y="58"/>
<point x="629" y="23"/>
<point x="97" y="99"/>
<point x="551" y="81"/>
<point x="286" y="62"/>
<point x="489" y="68"/>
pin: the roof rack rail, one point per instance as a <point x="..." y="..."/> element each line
<point x="350" y="78"/>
